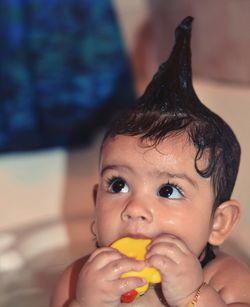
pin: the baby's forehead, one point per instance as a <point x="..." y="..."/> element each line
<point x="178" y="147"/>
<point x="134" y="146"/>
<point x="141" y="141"/>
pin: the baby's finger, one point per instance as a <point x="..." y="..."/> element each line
<point x="171" y="240"/>
<point x="162" y="263"/>
<point x="103" y="256"/>
<point x="168" y="250"/>
<point x="117" y="267"/>
<point x="127" y="284"/>
<point x="98" y="251"/>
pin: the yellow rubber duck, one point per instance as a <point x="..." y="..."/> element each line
<point x="136" y="248"/>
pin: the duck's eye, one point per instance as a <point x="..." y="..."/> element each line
<point x="170" y="191"/>
<point x="118" y="185"/>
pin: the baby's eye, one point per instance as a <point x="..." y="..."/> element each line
<point x="118" y="185"/>
<point x="170" y="191"/>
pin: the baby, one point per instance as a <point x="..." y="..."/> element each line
<point x="167" y="171"/>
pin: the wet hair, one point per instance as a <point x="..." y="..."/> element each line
<point x="170" y="107"/>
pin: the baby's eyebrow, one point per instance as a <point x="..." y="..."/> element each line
<point x="114" y="167"/>
<point x="176" y="175"/>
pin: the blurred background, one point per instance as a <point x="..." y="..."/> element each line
<point x="66" y="68"/>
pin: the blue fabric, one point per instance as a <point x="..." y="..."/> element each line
<point x="64" y="71"/>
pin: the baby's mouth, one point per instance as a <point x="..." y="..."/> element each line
<point x="137" y="236"/>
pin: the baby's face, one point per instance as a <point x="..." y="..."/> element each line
<point x="146" y="191"/>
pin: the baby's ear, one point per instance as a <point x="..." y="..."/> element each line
<point x="94" y="192"/>
<point x="225" y="219"/>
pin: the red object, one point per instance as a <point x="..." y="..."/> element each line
<point x="129" y="296"/>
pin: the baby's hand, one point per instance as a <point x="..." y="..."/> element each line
<point x="99" y="282"/>
<point x="136" y="249"/>
<point x="181" y="272"/>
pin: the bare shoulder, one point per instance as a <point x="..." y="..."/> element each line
<point x="66" y="285"/>
<point x="230" y="277"/>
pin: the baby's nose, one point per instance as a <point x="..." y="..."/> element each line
<point x="137" y="210"/>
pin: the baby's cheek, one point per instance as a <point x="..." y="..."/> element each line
<point x="105" y="234"/>
<point x="197" y="241"/>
